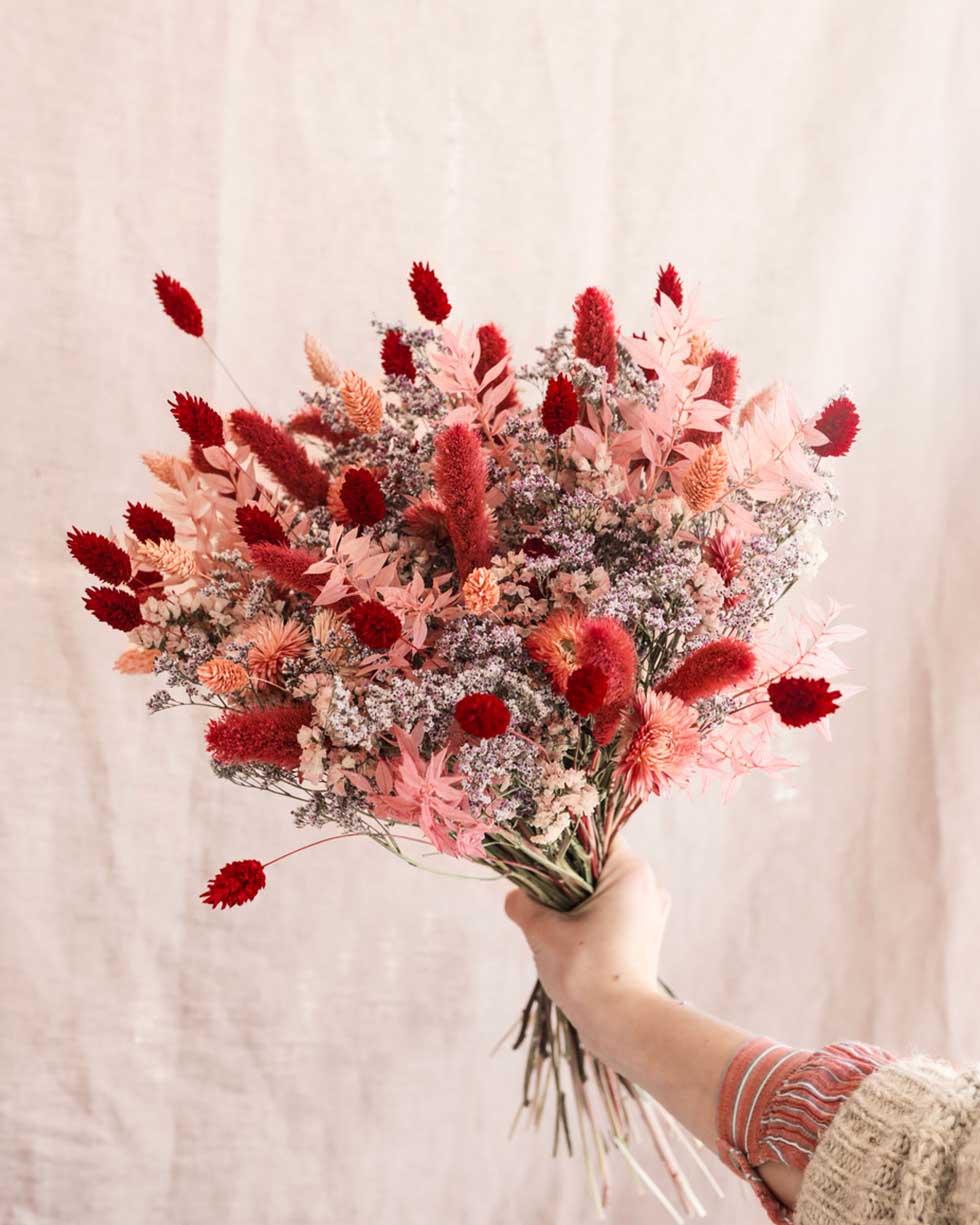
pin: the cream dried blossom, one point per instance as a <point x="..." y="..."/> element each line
<point x="322" y="366"/>
<point x="362" y="402"/>
<point x="707" y="589"/>
<point x="223" y="676"/>
<point x="566" y="794"/>
<point x="481" y="591"/>
<point x="171" y="559"/>
<point x="136" y="661"/>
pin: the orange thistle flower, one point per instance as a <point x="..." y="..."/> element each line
<point x="362" y="402"/>
<point x="481" y="591"/>
<point x="706" y="479"/>
<point x="322" y="366"/>
<point x="273" y="640"/>
<point x="556" y="643"/>
<point x="137" y="661"/>
<point x="223" y="676"/>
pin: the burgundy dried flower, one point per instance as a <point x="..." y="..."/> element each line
<point x="264" y="734"/>
<point x="595" y="329"/>
<point x="482" y="715"/>
<point x="235" y="884"/>
<point x="493" y="349"/>
<point x="396" y="356"/>
<point x="283" y="456"/>
<point x="144" y="582"/>
<point x="374" y="625"/>
<point x="258" y="526"/>
<point x="669" y="283"/>
<point x="710" y="669"/>
<point x="560" y="409"/>
<point x="586" y="690"/>
<point x="179" y="304"/>
<point x="310" y="421"/>
<point x="197" y="419"/>
<point x="839" y="422"/>
<point x="799" y="700"/>
<point x="113" y="607"/>
<point x="724" y="378"/>
<point x="100" y="556"/>
<point x="362" y="497"/>
<point x="430" y="297"/>
<point x="534" y="546"/>
<point x="148" y="524"/>
<point x="288" y="566"/>
<point x="460" y="472"/>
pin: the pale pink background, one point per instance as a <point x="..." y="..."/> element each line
<point x="322" y="1056"/>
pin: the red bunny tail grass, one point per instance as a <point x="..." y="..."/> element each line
<point x="265" y="734"/>
<point x="586" y="690"/>
<point x="724" y="378"/>
<point x="493" y="349"/>
<point x="460" y="473"/>
<point x="560" y="409"/>
<point x="669" y="283"/>
<point x="197" y="419"/>
<point x="288" y="566"/>
<point x="100" y="556"/>
<point x="148" y="524"/>
<point x="374" y="625"/>
<point x="310" y="421"/>
<point x="283" y="456"/>
<point x="607" y="645"/>
<point x="179" y="304"/>
<point x="362" y="497"/>
<point x="396" y="356"/>
<point x="595" y="330"/>
<point x="430" y="297"/>
<point x="839" y="421"/>
<point x="113" y="607"/>
<point x="235" y="884"/>
<point x="482" y="715"/>
<point x="710" y="669"/>
<point x="799" y="700"/>
<point x="257" y="526"/>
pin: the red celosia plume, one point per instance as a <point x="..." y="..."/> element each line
<point x="197" y="419"/>
<point x="374" y="625"/>
<point x="264" y="734"/>
<point x="560" y="409"/>
<point x="460" y="473"/>
<point x="799" y="700"/>
<point x="839" y="421"/>
<point x="258" y="526"/>
<point x="493" y="349"/>
<point x="586" y="690"/>
<point x="710" y="669"/>
<point x="179" y="304"/>
<point x="430" y="297"/>
<point x="724" y="378"/>
<point x="607" y="645"/>
<point x="362" y="497"/>
<point x="113" y="607"/>
<point x="288" y="566"/>
<point x="595" y="329"/>
<point x="148" y="524"/>
<point x="100" y="556"/>
<point x="283" y="456"/>
<point x="235" y="884"/>
<point x="396" y="356"/>
<point x="482" y="715"/>
<point x="669" y="283"/>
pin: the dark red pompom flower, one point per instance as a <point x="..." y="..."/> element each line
<point x="258" y="526"/>
<point x="587" y="689"/>
<point x="374" y="625"/>
<point x="197" y="419"/>
<point x="839" y="421"/>
<point x="669" y="283"/>
<point x="100" y="556"/>
<point x="396" y="356"/>
<point x="799" y="700"/>
<point x="235" y="884"/>
<point x="560" y="409"/>
<point x="482" y="715"/>
<point x="179" y="304"/>
<point x="362" y="497"/>
<point x="113" y="607"/>
<point x="148" y="524"/>
<point x="430" y="297"/>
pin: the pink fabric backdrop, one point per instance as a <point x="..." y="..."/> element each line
<point x="322" y="1056"/>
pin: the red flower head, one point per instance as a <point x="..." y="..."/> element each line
<point x="310" y="421"/>
<point x="560" y="409"/>
<point x="265" y="734"/>
<point x="283" y="456"/>
<point x="493" y="349"/>
<point x="396" y="356"/>
<point x="724" y="378"/>
<point x="799" y="700"/>
<point x="258" y="526"/>
<point x="608" y="646"/>
<point x="116" y="608"/>
<point x="595" y="329"/>
<point x="460" y="473"/>
<point x="586" y="690"/>
<point x="374" y="625"/>
<point x="839" y="422"/>
<point x="179" y="304"/>
<point x="143" y="583"/>
<point x="430" y="297"/>
<point x="197" y="419"/>
<point x="710" y="669"/>
<point x="362" y="497"/>
<point x="723" y="553"/>
<point x="534" y="546"/>
<point x="482" y="715"/>
<point x="288" y="566"/>
<point x="235" y="884"/>
<point x="148" y="524"/>
<point x="669" y="283"/>
<point x="100" y="556"/>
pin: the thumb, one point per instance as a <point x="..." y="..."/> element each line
<point x="521" y="909"/>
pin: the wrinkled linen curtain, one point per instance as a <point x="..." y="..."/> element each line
<point x="323" y="1055"/>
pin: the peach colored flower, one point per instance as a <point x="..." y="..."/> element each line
<point x="273" y="640"/>
<point x="172" y="560"/>
<point x="481" y="592"/>
<point x="362" y="402"/>
<point x="659" y="743"/>
<point x="322" y="366"/>
<point x="136" y="661"/>
<point x="223" y="676"/>
<point x="330" y="630"/>
<point x="163" y="467"/>
<point x="706" y="480"/>
<point x="556" y="643"/>
<point x="700" y="348"/>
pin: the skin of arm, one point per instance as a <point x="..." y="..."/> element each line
<point x="599" y="963"/>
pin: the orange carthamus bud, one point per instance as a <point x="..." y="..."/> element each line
<point x="481" y="591"/>
<point x="322" y="366"/>
<point x="362" y="402"/>
<point x="223" y="676"/>
<point x="706" y="479"/>
<point x="136" y="661"/>
<point x="169" y="558"/>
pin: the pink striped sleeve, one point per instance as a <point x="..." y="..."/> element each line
<point x="776" y="1102"/>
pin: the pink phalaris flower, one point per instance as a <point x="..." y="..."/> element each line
<point x="273" y="640"/>
<point x="288" y="566"/>
<point x="560" y="409"/>
<point x="430" y="297"/>
<point x="839" y="423"/>
<point x="237" y="882"/>
<point x="258" y="526"/>
<point x="723" y="553"/>
<point x="595" y="330"/>
<point x="669" y="283"/>
<point x="197" y="419"/>
<point x="100" y="556"/>
<point x="493" y="349"/>
<point x="658" y="744"/>
<point x="266" y="734"/>
<point x="396" y="356"/>
<point x="223" y="676"/>
<point x="137" y="661"/>
<point x="710" y="669"/>
<point x="147" y="524"/>
<point x="310" y="421"/>
<point x="800" y="700"/>
<point x="179" y="304"/>
<point x="460" y="473"/>
<point x="283" y="456"/>
<point x="322" y="366"/>
<point x="113" y="607"/>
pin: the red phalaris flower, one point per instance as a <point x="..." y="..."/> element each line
<point x="482" y="715"/>
<point x="799" y="700"/>
<point x="237" y="882"/>
<point x="362" y="497"/>
<point x="283" y="456"/>
<point x="724" y="378"/>
<point x="288" y="566"/>
<point x="396" y="356"/>
<point x="179" y="304"/>
<point x="586" y="690"/>
<point x="710" y="669"/>
<point x="669" y="283"/>
<point x="197" y="419"/>
<point x="310" y="421"/>
<point x="113" y="607"/>
<point x="266" y="734"/>
<point x="430" y="297"/>
<point x="493" y="349"/>
<point x="560" y="409"/>
<point x="148" y="524"/>
<point x="839" y="422"/>
<point x="374" y="625"/>
<point x="100" y="556"/>
<point x="595" y="330"/>
<point x="258" y="526"/>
